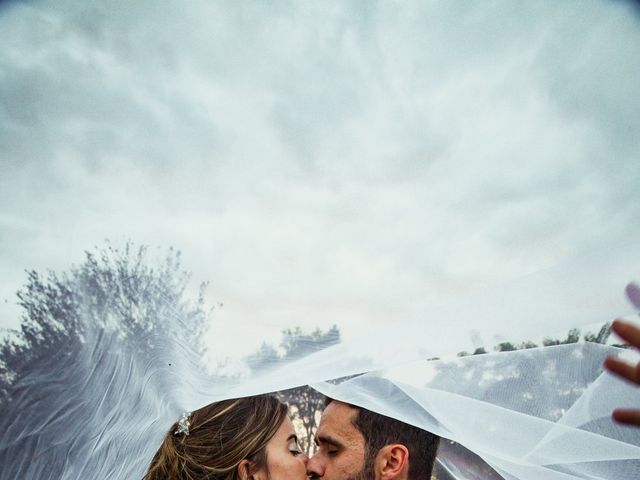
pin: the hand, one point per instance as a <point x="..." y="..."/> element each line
<point x="631" y="334"/>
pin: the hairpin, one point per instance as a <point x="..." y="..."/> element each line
<point x="183" y="424"/>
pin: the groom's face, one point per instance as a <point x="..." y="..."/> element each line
<point x="341" y="446"/>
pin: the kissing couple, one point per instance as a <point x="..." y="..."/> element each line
<point x="253" y="438"/>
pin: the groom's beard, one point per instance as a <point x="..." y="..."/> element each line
<point x="366" y="473"/>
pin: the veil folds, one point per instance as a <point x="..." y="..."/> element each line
<point x="534" y="158"/>
<point x="100" y="408"/>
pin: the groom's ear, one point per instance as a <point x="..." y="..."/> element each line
<point x="392" y="462"/>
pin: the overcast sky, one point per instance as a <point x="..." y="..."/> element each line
<point x="319" y="162"/>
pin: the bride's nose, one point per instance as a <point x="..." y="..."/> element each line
<point x="314" y="468"/>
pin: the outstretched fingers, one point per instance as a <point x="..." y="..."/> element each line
<point x="627" y="331"/>
<point x="629" y="416"/>
<point x="631" y="334"/>
<point x="623" y="369"/>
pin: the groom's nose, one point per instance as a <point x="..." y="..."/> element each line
<point x="315" y="468"/>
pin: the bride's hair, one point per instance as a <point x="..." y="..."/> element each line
<point x="221" y="435"/>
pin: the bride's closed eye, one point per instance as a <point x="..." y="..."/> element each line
<point x="294" y="448"/>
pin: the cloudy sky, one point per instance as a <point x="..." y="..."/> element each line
<point x="319" y="162"/>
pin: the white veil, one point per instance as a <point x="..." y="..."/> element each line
<point x="99" y="409"/>
<point x="391" y="165"/>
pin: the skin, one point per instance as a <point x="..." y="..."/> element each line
<point x="631" y="373"/>
<point x="341" y="450"/>
<point x="340" y="454"/>
<point x="285" y="459"/>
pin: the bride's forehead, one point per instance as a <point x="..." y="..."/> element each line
<point x="286" y="428"/>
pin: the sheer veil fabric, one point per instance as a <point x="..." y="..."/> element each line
<point x="540" y="413"/>
<point x="530" y="414"/>
<point x="400" y="167"/>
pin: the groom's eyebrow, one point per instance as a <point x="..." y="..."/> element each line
<point x="327" y="439"/>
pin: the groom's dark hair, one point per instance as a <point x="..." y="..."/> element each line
<point x="379" y="430"/>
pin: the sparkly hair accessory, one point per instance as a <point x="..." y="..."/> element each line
<point x="183" y="424"/>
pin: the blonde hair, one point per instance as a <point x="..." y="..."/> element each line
<point x="221" y="435"/>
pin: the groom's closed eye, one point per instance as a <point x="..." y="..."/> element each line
<point x="328" y="444"/>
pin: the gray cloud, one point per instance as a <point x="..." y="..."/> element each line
<point x="319" y="162"/>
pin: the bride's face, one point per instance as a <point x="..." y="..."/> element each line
<point x="285" y="459"/>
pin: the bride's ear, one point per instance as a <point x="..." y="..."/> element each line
<point x="244" y="469"/>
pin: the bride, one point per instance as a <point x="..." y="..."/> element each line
<point x="235" y="439"/>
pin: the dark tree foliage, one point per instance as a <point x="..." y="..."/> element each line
<point x="601" y="337"/>
<point x="573" y="336"/>
<point x="112" y="290"/>
<point x="565" y="392"/>
<point x="305" y="403"/>
<point x="294" y="344"/>
<point x="265" y="358"/>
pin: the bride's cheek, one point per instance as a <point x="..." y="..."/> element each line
<point x="302" y="464"/>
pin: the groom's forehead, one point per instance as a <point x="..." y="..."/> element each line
<point x="337" y="425"/>
<point x="339" y="411"/>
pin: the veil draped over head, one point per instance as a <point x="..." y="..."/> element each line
<point x="99" y="409"/>
<point x="407" y="157"/>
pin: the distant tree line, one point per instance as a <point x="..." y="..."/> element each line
<point x="573" y="336"/>
<point x="565" y="391"/>
<point x="305" y="403"/>
<point x="122" y="292"/>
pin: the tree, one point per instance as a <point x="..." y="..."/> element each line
<point x="112" y="290"/>
<point x="560" y="391"/>
<point x="601" y="337"/>
<point x="87" y="336"/>
<point x="305" y="404"/>
<point x="573" y="336"/>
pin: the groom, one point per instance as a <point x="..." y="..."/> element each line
<point x="357" y="444"/>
